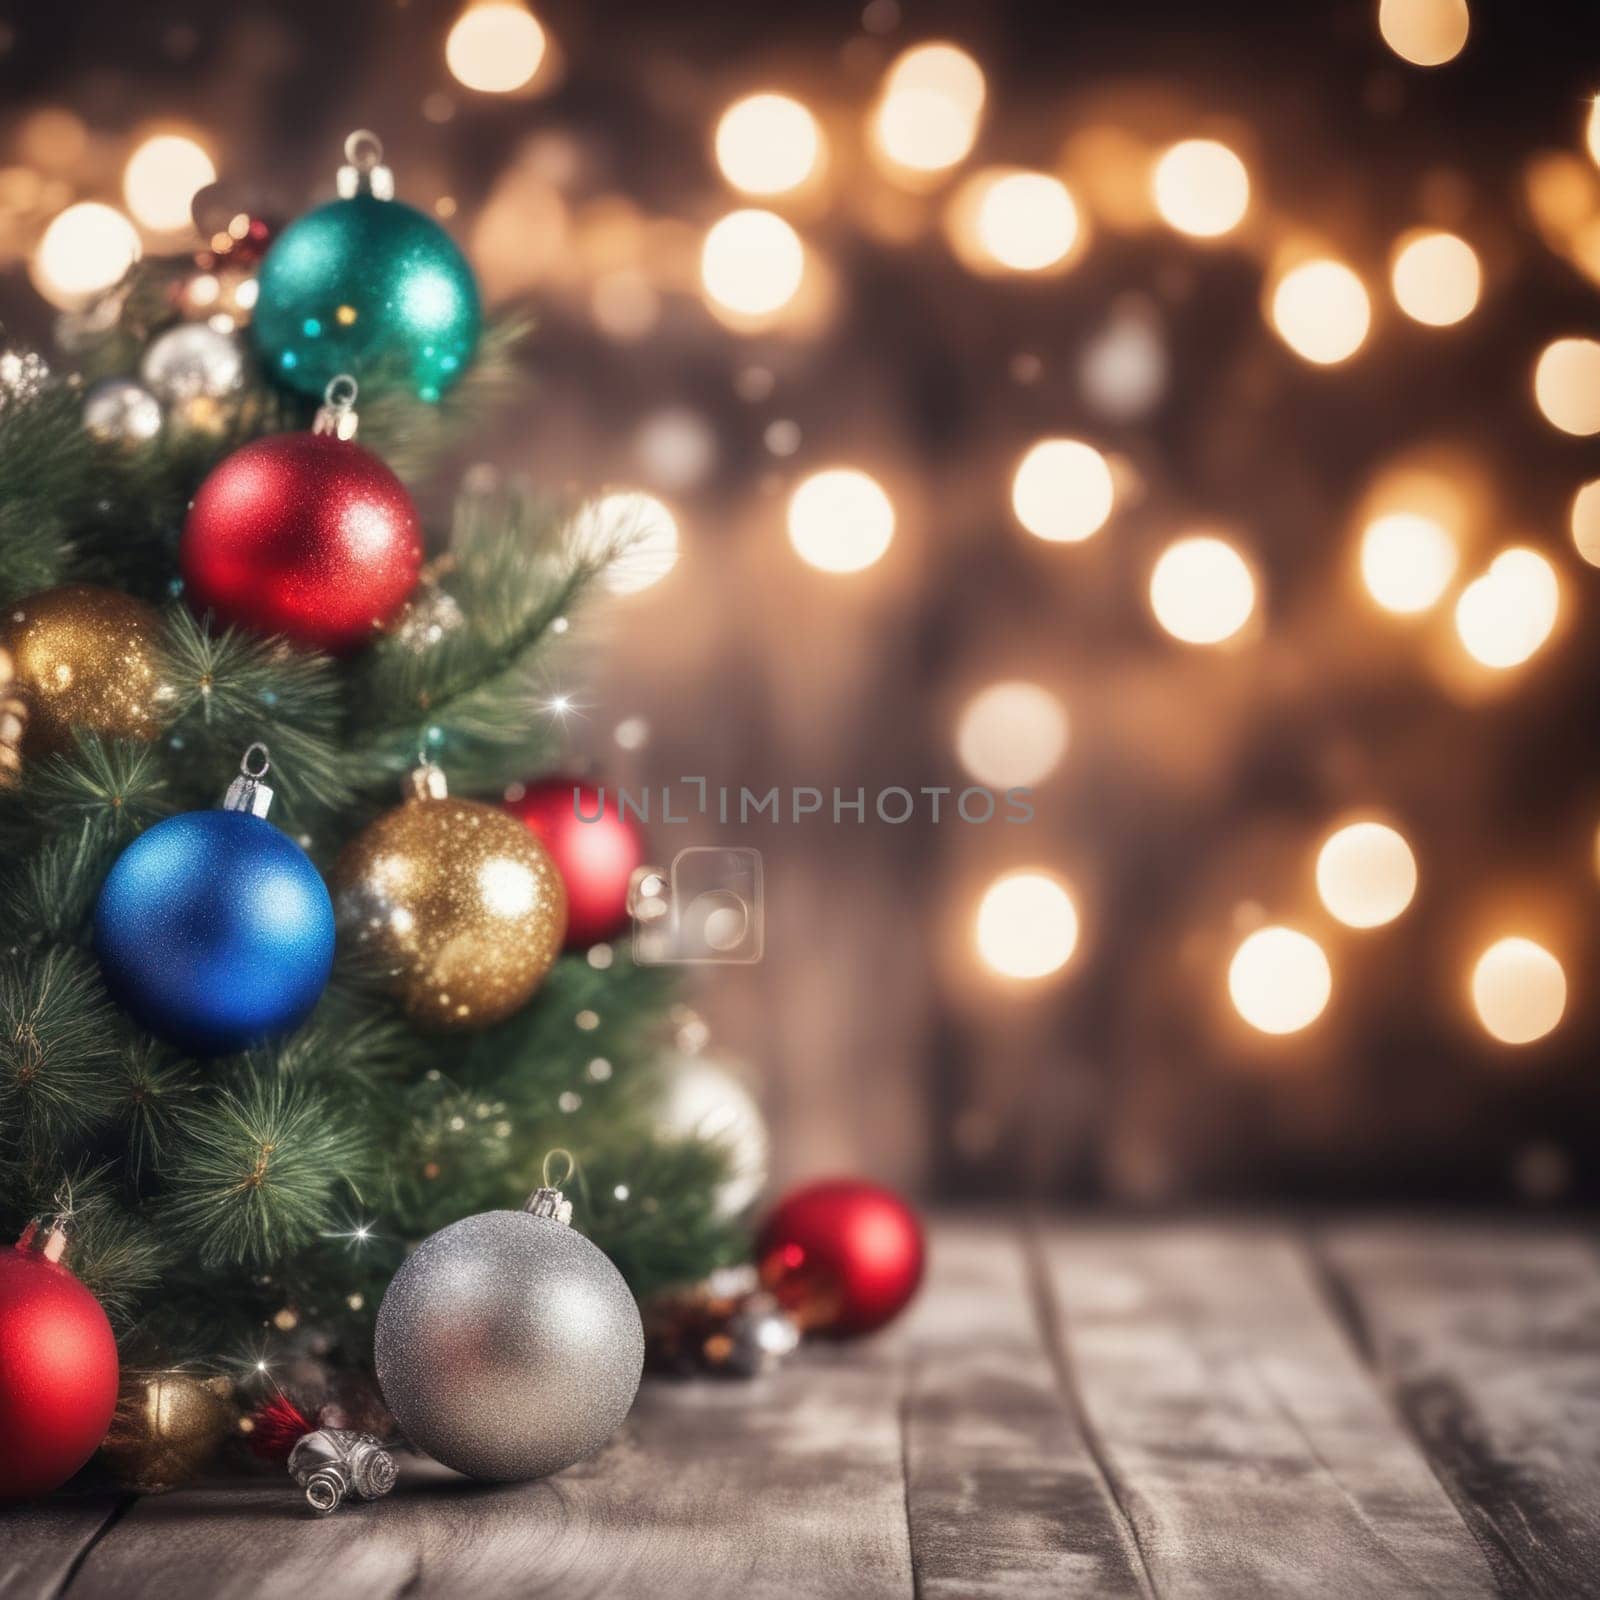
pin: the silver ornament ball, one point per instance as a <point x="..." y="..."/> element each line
<point x="120" y="411"/>
<point x="702" y="1097"/>
<point x="508" y="1346"/>
<point x="192" y="362"/>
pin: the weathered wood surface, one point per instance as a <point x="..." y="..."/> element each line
<point x="1489" y="1341"/>
<point x="1099" y="1411"/>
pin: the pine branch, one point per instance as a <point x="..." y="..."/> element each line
<point x="257" y="1172"/>
<point x="45" y="460"/>
<point x="108" y="789"/>
<point x="52" y="894"/>
<point x="229" y="690"/>
<point x="58" y="1051"/>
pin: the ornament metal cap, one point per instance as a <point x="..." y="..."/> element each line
<point x="247" y="792"/>
<point x="47" y="1238"/>
<point x="363" y="171"/>
<point x="337" y="413"/>
<point x="425" y="782"/>
<point x="547" y="1200"/>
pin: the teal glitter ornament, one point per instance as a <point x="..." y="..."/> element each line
<point x="366" y="285"/>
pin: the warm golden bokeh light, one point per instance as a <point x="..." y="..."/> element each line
<point x="1201" y="188"/>
<point x="1321" y="311"/>
<point x="495" y="47"/>
<point x="1586" y="522"/>
<point x="1201" y="590"/>
<point x="1518" y="990"/>
<point x="1027" y="925"/>
<point x="927" y="117"/>
<point x="1279" y="980"/>
<point x="634" y="534"/>
<point x="1435" y="277"/>
<point x="1427" y="33"/>
<point x="162" y="178"/>
<point x="1407" y="561"/>
<point x="83" y="252"/>
<point x="768" y="144"/>
<point x="1011" y="735"/>
<point x="1566" y="383"/>
<point x="752" y="263"/>
<point x="1026" y="221"/>
<point x="1062" y="490"/>
<point x="1504" y="616"/>
<point x="840" y="520"/>
<point x="1591" y="132"/>
<point x="1366" y="874"/>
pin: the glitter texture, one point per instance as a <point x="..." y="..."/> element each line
<point x="508" y="1346"/>
<point x="460" y="902"/>
<point x="363" y="285"/>
<point x="303" y="534"/>
<point x="84" y="657"/>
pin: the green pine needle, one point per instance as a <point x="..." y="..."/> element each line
<point x="256" y="1173"/>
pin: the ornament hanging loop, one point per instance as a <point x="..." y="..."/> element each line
<point x="547" y="1200"/>
<point x="337" y="413"/>
<point x="363" y="171"/>
<point x="248" y="792"/>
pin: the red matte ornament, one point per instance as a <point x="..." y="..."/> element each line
<point x="843" y="1256"/>
<point x="303" y="534"/>
<point x="596" y="858"/>
<point x="58" y="1367"/>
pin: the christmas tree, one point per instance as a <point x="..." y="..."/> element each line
<point x="224" y="1187"/>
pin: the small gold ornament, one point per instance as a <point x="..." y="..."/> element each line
<point x="457" y="900"/>
<point x="84" y="657"/>
<point x="167" y="1426"/>
<point x="13" y="722"/>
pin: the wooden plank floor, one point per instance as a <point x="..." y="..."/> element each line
<point x="1079" y="1409"/>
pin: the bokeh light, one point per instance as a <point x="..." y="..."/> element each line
<point x="1566" y="383"/>
<point x="1026" y="221"/>
<point x="1011" y="734"/>
<point x="495" y="47"/>
<point x="767" y="144"/>
<point x="1062" y="490"/>
<point x="1366" y="874"/>
<point x="1027" y="925"/>
<point x="83" y="252"/>
<point x="1201" y="188"/>
<point x="1435" y="277"/>
<point x="162" y="178"/>
<point x="1591" y="132"/>
<point x="1321" y="311"/>
<point x="840" y="520"/>
<point x="1201" y="590"/>
<point x="752" y="263"/>
<point x="927" y="117"/>
<point x="1504" y="616"/>
<point x="1407" y="561"/>
<point x="1279" y="980"/>
<point x="634" y="534"/>
<point x="1586" y="522"/>
<point x="1427" y="33"/>
<point x="1518" y="990"/>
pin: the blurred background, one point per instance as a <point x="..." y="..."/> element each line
<point x="1185" y="412"/>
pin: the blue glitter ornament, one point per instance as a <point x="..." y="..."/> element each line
<point x="365" y="285"/>
<point x="213" y="929"/>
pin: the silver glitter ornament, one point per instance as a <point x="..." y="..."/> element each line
<point x="508" y="1346"/>
<point x="192" y="362"/>
<point x="333" y="1464"/>
<point x="120" y="411"/>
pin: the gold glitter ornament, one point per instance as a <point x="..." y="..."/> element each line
<point x="84" y="657"/>
<point x="13" y="722"/>
<point x="457" y="901"/>
<point x="167" y="1427"/>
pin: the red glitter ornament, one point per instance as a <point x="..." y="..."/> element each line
<point x="58" y="1366"/>
<point x="593" y="845"/>
<point x="304" y="534"/>
<point x="842" y="1257"/>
